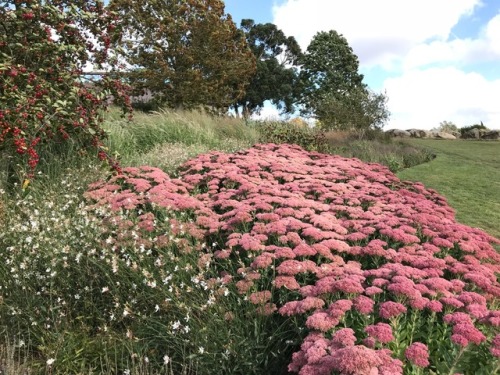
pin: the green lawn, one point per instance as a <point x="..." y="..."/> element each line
<point x="467" y="173"/>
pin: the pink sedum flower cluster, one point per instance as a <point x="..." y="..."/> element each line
<point x="340" y="236"/>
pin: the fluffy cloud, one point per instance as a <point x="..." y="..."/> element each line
<point x="430" y="74"/>
<point x="484" y="48"/>
<point x="267" y="113"/>
<point x="379" y="31"/>
<point x="423" y="98"/>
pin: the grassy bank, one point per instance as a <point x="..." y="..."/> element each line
<point x="467" y="173"/>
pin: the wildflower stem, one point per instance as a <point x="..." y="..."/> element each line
<point x="457" y="358"/>
<point x="413" y="324"/>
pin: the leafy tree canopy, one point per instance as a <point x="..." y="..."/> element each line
<point x="189" y="53"/>
<point x="276" y="76"/>
<point x="333" y="89"/>
<point x="359" y="110"/>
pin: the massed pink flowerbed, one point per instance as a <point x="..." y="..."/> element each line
<point x="383" y="278"/>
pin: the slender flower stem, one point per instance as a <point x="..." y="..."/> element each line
<point x="457" y="358"/>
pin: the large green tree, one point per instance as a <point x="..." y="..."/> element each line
<point x="276" y="77"/>
<point x="358" y="110"/>
<point x="189" y="53"/>
<point x="333" y="89"/>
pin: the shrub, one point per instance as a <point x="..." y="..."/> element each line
<point x="45" y="46"/>
<point x="332" y="243"/>
<point x="466" y="129"/>
<point x="283" y="132"/>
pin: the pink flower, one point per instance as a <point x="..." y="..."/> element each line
<point x="363" y="305"/>
<point x="477" y="310"/>
<point x="459" y="340"/>
<point x="321" y="321"/>
<point x="344" y="337"/>
<point x="373" y="290"/>
<point x="316" y="351"/>
<point x="259" y="298"/>
<point x="299" y="213"/>
<point x="390" y="365"/>
<point x="469" y="332"/>
<point x="418" y="354"/>
<point x="250" y="243"/>
<point x="294" y="267"/>
<point x="388" y="310"/>
<point x="287" y="282"/>
<point x="452" y="301"/>
<point x="299" y="307"/>
<point x="457" y="317"/>
<point x="304" y="250"/>
<point x="495" y="346"/>
<point x="266" y="309"/>
<point x="340" y="306"/>
<point x="263" y="260"/>
<point x="435" y="306"/>
<point x="336" y="245"/>
<point x="356" y="360"/>
<point x="369" y="342"/>
<point x="382" y="332"/>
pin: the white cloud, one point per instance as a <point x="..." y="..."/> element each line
<point x="379" y="31"/>
<point x="423" y="98"/>
<point x="267" y="113"/>
<point x="493" y="34"/>
<point x="458" y="51"/>
<point x="431" y="70"/>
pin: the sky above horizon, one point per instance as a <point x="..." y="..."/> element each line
<point x="436" y="60"/>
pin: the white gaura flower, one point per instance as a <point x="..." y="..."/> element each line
<point x="166" y="359"/>
<point x="50" y="361"/>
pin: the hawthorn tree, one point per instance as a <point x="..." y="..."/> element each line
<point x="44" y="46"/>
<point x="187" y="53"/>
<point x="276" y="77"/>
<point x="333" y="89"/>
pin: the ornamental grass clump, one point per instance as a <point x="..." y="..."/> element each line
<point x="376" y="272"/>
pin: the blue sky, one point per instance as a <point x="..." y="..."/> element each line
<point x="437" y="60"/>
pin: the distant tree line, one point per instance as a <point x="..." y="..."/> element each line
<point x="191" y="54"/>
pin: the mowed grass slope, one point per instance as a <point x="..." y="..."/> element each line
<point x="467" y="173"/>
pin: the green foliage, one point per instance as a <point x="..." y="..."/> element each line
<point x="43" y="49"/>
<point x="149" y="135"/>
<point x="466" y="129"/>
<point x="276" y="76"/>
<point x="282" y="132"/>
<point x="329" y="67"/>
<point x="187" y="53"/>
<point x="333" y="89"/>
<point x="395" y="155"/>
<point x="358" y="111"/>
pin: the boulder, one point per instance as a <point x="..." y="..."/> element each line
<point x="474" y="134"/>
<point x="471" y="134"/>
<point x="443" y="135"/>
<point x="398" y="133"/>
<point x="418" y="133"/>
<point x="492" y="134"/>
